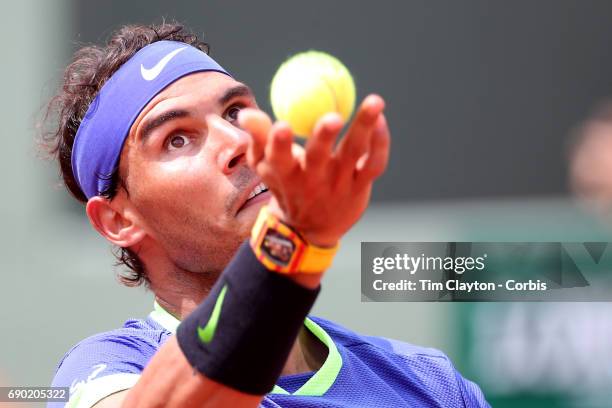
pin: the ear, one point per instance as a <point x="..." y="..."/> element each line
<point x="114" y="221"/>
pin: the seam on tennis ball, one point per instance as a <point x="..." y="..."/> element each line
<point x="333" y="92"/>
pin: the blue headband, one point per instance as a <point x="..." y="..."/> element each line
<point x="105" y="126"/>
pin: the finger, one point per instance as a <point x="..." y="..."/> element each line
<point x="268" y="176"/>
<point x="258" y="125"/>
<point x="278" y="150"/>
<point x="372" y="165"/>
<point x="275" y="184"/>
<point x="320" y="146"/>
<point x="357" y="139"/>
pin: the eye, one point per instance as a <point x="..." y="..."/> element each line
<point x="231" y="115"/>
<point x="177" y="141"/>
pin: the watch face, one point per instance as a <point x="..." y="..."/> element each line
<point x="277" y="247"/>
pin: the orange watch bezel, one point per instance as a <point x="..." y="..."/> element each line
<point x="264" y="225"/>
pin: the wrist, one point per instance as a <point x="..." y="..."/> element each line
<point x="316" y="238"/>
<point x="320" y="240"/>
<point x="307" y="280"/>
<point x="282" y="249"/>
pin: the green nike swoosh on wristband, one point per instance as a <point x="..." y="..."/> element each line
<point x="207" y="332"/>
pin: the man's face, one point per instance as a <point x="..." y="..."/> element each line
<point x="185" y="172"/>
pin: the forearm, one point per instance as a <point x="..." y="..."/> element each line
<point x="228" y="337"/>
<point x="240" y="355"/>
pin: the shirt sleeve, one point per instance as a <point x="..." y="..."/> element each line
<point x="435" y="372"/>
<point x="102" y="365"/>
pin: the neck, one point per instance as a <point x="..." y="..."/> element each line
<point x="180" y="292"/>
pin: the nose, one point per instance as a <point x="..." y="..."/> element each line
<point x="230" y="143"/>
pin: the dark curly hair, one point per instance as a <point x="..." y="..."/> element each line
<point x="90" y="68"/>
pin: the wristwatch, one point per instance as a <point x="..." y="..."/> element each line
<point x="281" y="249"/>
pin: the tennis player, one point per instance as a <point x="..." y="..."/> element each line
<point x="232" y="226"/>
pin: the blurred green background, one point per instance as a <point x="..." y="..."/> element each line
<point x="481" y="95"/>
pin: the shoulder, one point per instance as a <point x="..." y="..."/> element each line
<point x="349" y="338"/>
<point x="109" y="362"/>
<point x="430" y="369"/>
<point x="136" y="340"/>
<point x="391" y="348"/>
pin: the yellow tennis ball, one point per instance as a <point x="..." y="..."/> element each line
<point x="309" y="85"/>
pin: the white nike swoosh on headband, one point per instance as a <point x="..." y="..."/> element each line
<point x="149" y="74"/>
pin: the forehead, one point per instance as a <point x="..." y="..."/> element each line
<point x="204" y="86"/>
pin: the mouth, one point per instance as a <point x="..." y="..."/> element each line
<point x="258" y="194"/>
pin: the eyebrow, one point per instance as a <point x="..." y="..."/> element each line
<point x="234" y="92"/>
<point x="149" y="126"/>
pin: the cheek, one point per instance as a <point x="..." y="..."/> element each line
<point x="182" y="178"/>
<point x="181" y="191"/>
<point x="164" y="179"/>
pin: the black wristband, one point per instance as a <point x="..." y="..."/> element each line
<point x="242" y="333"/>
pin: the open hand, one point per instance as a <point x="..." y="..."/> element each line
<point x="321" y="190"/>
